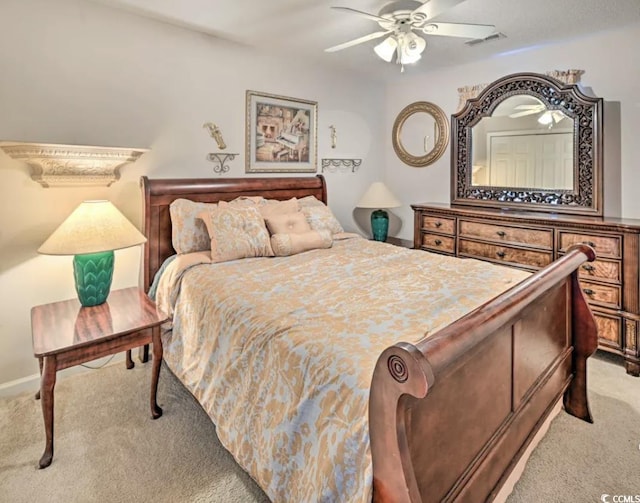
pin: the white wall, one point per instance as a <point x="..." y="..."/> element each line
<point x="612" y="70"/>
<point x="74" y="72"/>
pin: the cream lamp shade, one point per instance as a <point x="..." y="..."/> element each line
<point x="378" y="196"/>
<point x="94" y="226"/>
<point x="91" y="233"/>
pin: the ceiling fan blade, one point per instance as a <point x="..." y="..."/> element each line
<point x="529" y="107"/>
<point x="459" y="30"/>
<point x="522" y="114"/>
<point x="357" y="41"/>
<point x="431" y="8"/>
<point x="361" y="13"/>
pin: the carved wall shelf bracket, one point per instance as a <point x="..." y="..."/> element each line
<point x="220" y="161"/>
<point x="72" y="165"/>
<point x="341" y="165"/>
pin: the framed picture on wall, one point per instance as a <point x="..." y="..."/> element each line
<point x="281" y="134"/>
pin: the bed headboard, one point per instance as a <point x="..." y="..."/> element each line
<point x="158" y="194"/>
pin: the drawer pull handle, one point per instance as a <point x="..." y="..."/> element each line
<point x="438" y="224"/>
<point x="588" y="267"/>
<point x="438" y="242"/>
<point x="500" y="254"/>
<point x="501" y="233"/>
<point x="588" y="291"/>
<point x="590" y="243"/>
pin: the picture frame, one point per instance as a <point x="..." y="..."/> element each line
<point x="281" y="134"/>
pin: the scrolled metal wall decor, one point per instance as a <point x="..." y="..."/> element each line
<point x="586" y="112"/>
<point x="441" y="134"/>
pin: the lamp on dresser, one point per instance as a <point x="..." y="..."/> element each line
<point x="91" y="233"/>
<point x="377" y="197"/>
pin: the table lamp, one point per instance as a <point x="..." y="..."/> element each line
<point x="91" y="233"/>
<point x="378" y="196"/>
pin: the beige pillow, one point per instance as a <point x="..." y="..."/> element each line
<point x="321" y="218"/>
<point x="188" y="232"/>
<point x="236" y="232"/>
<point x="273" y="207"/>
<point x="290" y="223"/>
<point x="246" y="201"/>
<point x="309" y="201"/>
<point x="284" y="245"/>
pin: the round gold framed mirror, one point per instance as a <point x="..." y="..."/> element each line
<point x="420" y="134"/>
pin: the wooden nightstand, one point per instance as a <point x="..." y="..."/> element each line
<point x="66" y="334"/>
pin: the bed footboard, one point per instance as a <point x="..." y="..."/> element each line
<point x="451" y="415"/>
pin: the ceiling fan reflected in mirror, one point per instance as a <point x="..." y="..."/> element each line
<point x="547" y="117"/>
<point x="522" y="110"/>
<point x="402" y="20"/>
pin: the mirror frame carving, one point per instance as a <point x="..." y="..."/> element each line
<point x="442" y="140"/>
<point x="586" y="112"/>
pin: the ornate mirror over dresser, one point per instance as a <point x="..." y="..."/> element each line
<point x="529" y="141"/>
<point x="527" y="184"/>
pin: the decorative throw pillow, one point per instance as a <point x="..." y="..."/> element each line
<point x="247" y="201"/>
<point x="310" y="201"/>
<point x="273" y="207"/>
<point x="188" y="232"/>
<point x="290" y="223"/>
<point x="236" y="233"/>
<point x="284" y="245"/>
<point x="322" y="218"/>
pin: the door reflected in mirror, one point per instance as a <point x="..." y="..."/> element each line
<point x="524" y="145"/>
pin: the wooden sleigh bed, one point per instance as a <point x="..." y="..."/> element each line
<point x="449" y="416"/>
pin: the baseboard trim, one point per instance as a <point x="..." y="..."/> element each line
<point x="31" y="383"/>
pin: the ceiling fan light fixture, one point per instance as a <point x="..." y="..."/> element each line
<point x="545" y="119"/>
<point x="430" y="28"/>
<point x="407" y="59"/>
<point x="386" y="49"/>
<point x="412" y="47"/>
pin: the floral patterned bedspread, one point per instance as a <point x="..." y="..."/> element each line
<point x="280" y="352"/>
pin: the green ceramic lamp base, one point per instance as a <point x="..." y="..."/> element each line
<point x="379" y="225"/>
<point x="93" y="273"/>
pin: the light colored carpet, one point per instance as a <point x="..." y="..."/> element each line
<point x="107" y="449"/>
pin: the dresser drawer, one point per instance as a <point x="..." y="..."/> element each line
<point x="506" y="234"/>
<point x="605" y="246"/>
<point x="438" y="224"/>
<point x="603" y="270"/>
<point x="609" y="330"/>
<point x="438" y="243"/>
<point x="499" y="253"/>
<point x="608" y="295"/>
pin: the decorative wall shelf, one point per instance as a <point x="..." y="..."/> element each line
<point x="220" y="161"/>
<point x="72" y="165"/>
<point x="340" y="165"/>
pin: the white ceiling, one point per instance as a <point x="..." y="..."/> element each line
<point x="304" y="28"/>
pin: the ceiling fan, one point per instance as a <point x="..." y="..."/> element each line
<point x="400" y="19"/>
<point x="547" y="117"/>
<point x="522" y="110"/>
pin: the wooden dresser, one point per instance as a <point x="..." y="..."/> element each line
<point x="529" y="240"/>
